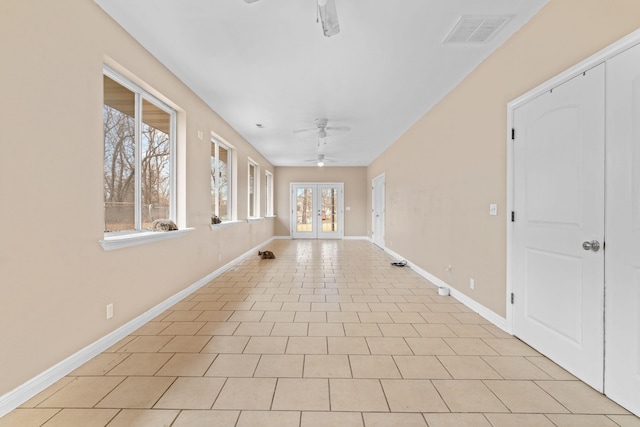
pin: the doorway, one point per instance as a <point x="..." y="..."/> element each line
<point x="559" y="204"/>
<point x="317" y="210"/>
<point x="377" y="203"/>
<point x="575" y="181"/>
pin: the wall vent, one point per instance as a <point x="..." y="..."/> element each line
<point x="476" y="29"/>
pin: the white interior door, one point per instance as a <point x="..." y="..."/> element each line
<point x="559" y="203"/>
<point x="317" y="210"/>
<point x="377" y="202"/>
<point x="622" y="366"/>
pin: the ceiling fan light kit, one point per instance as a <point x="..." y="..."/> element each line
<point x="327" y="14"/>
<point x="329" y="17"/>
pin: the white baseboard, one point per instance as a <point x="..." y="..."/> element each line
<point x="16" y="397"/>
<point x="483" y="311"/>
<point x="343" y="238"/>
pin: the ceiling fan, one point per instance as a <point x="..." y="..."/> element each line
<point x="322" y="130"/>
<point x="321" y="160"/>
<point x="328" y="15"/>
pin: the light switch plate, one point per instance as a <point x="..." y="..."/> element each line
<point x="493" y="209"/>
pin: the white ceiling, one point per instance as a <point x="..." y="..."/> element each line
<point x="269" y="63"/>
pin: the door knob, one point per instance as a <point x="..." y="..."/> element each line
<point x="593" y="245"/>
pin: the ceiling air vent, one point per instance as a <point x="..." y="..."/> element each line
<point x="476" y="29"/>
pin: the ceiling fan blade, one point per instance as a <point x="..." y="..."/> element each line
<point x="306" y="130"/>
<point x="329" y="17"/>
<point x="250" y="1"/>
<point x="338" y="128"/>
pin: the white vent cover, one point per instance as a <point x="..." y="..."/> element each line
<point x="476" y="29"/>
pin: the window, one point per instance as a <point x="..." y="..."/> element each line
<point x="221" y="180"/>
<point x="139" y="151"/>
<point x="268" y="178"/>
<point x="253" y="186"/>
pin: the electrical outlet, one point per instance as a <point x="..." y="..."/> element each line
<point x="109" y="311"/>
<point x="472" y="283"/>
<point x="493" y="209"/>
<point x="448" y="269"/>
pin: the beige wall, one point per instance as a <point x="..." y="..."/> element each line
<point x="355" y="195"/>
<point x="55" y="279"/>
<point x="443" y="173"/>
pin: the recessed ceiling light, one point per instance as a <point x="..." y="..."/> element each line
<point x="259" y="125"/>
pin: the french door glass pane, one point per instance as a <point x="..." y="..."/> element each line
<point x="304" y="203"/>
<point x="329" y="210"/>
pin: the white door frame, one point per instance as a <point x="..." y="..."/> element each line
<point x="318" y="224"/>
<point x="378" y="233"/>
<point x="596" y="59"/>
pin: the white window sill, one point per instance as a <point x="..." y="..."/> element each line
<point x="254" y="219"/>
<point x="224" y="224"/>
<point x="270" y="216"/>
<point x="120" y="241"/>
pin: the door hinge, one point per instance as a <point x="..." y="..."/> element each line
<point x="513" y="298"/>
<point x="513" y="134"/>
<point x="513" y="216"/>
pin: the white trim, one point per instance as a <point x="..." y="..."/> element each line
<point x="16" y="397"/>
<point x="268" y="197"/>
<point x="141" y="95"/>
<point x="483" y="311"/>
<point x="255" y="219"/>
<point x="224" y="224"/>
<point x="356" y="238"/>
<point x="120" y="241"/>
<point x="598" y="58"/>
<point x="608" y="52"/>
<point x="219" y="142"/>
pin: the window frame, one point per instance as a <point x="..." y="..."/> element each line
<point x="268" y="209"/>
<point x="142" y="95"/>
<point x="230" y="184"/>
<point x="255" y="197"/>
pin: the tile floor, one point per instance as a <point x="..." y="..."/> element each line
<point x="327" y="334"/>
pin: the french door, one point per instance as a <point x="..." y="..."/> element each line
<point x="317" y="210"/>
<point x="558" y="260"/>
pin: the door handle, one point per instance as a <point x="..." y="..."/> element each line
<point x="593" y="245"/>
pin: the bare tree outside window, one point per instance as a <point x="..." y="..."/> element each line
<point x="119" y="157"/>
<point x="137" y="174"/>
<point x="220" y="183"/>
<point x="253" y="195"/>
<point x="156" y="167"/>
<point x="304" y="202"/>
